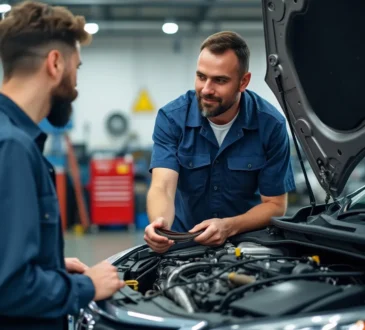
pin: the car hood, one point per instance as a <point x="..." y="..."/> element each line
<point x="316" y="69"/>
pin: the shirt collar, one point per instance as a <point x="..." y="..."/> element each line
<point x="22" y="120"/>
<point x="246" y="119"/>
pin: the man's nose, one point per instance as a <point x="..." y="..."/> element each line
<point x="208" y="88"/>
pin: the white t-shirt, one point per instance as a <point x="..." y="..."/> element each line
<point x="220" y="131"/>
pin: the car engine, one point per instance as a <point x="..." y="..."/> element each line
<point x="245" y="280"/>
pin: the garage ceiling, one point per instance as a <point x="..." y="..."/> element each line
<point x="145" y="17"/>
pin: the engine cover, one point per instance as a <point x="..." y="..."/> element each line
<point x="296" y="296"/>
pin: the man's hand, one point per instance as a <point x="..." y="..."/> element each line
<point x="74" y="265"/>
<point x="156" y="242"/>
<point x="105" y="279"/>
<point x="216" y="232"/>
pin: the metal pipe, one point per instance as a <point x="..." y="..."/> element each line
<point x="179" y="294"/>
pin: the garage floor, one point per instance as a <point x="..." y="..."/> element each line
<point x="93" y="248"/>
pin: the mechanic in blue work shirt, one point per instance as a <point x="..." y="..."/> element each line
<point x="221" y="154"/>
<point x="39" y="49"/>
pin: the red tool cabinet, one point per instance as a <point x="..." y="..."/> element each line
<point x="112" y="191"/>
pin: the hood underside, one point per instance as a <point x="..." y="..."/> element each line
<point x="316" y="69"/>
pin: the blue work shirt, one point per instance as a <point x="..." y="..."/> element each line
<point x="36" y="292"/>
<point x="225" y="181"/>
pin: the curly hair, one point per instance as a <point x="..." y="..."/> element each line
<point x="32" y="26"/>
<point x="220" y="42"/>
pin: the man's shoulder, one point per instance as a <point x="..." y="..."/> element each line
<point x="12" y="135"/>
<point x="265" y="109"/>
<point x="181" y="103"/>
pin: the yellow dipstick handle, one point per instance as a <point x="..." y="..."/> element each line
<point x="316" y="259"/>
<point x="133" y="284"/>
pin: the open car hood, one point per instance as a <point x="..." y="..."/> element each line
<point x="316" y="69"/>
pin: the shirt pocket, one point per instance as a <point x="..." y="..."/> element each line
<point x="243" y="174"/>
<point x="49" y="221"/>
<point x="194" y="172"/>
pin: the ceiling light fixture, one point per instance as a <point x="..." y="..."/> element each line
<point x="170" y="28"/>
<point x="4" y="8"/>
<point x="91" y="28"/>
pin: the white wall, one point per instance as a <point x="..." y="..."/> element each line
<point x="115" y="69"/>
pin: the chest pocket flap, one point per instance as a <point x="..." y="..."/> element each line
<point x="49" y="227"/>
<point x="194" y="161"/>
<point x="49" y="210"/>
<point x="194" y="173"/>
<point x="246" y="163"/>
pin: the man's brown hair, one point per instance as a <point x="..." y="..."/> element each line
<point x="220" y="42"/>
<point x="31" y="29"/>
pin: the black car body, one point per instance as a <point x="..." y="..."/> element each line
<point x="302" y="272"/>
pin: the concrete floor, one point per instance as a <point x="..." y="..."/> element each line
<point x="92" y="248"/>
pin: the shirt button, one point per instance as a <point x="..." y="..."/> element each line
<point x="249" y="165"/>
<point x="217" y="161"/>
<point x="215" y="188"/>
<point x="46" y="215"/>
<point x="215" y="215"/>
<point x="191" y="164"/>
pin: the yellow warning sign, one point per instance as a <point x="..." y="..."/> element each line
<point x="143" y="102"/>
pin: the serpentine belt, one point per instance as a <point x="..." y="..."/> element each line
<point x="176" y="236"/>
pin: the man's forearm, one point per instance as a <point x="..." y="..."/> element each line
<point x="160" y="204"/>
<point x="256" y="218"/>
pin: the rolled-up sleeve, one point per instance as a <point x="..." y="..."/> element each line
<point x="164" y="152"/>
<point x="26" y="288"/>
<point x="276" y="178"/>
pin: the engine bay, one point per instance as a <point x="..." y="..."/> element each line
<point x="239" y="281"/>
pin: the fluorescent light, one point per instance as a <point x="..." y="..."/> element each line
<point x="4" y="8"/>
<point x="170" y="28"/>
<point x="91" y="28"/>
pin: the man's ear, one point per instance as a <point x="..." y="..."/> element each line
<point x="55" y="64"/>
<point x="245" y="80"/>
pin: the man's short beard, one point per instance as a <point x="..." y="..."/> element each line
<point x="216" y="111"/>
<point x="212" y="113"/>
<point x="60" y="113"/>
<point x="61" y="107"/>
